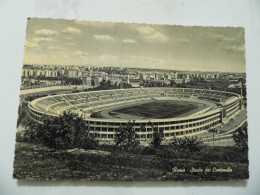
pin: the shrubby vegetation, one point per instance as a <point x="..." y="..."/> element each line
<point x="158" y="137"/>
<point x="66" y="131"/>
<point x="240" y="137"/>
<point x="49" y="164"/>
<point x="107" y="85"/>
<point x="188" y="145"/>
<point x="31" y="98"/>
<point x="70" y="131"/>
<point x="126" y="137"/>
<point x="127" y="160"/>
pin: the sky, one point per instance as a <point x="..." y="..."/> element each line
<point x="185" y="48"/>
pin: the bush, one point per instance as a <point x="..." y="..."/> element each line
<point x="66" y="131"/>
<point x="188" y="144"/>
<point x="126" y="137"/>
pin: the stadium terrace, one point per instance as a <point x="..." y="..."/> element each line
<point x="213" y="109"/>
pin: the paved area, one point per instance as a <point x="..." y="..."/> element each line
<point x="225" y="137"/>
<point x="235" y="121"/>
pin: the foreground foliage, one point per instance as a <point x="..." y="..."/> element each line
<point x="240" y="137"/>
<point x="66" y="131"/>
<point x="49" y="157"/>
<point x="42" y="163"/>
<point x="158" y="137"/>
<point x="188" y="144"/>
<point x="126" y="137"/>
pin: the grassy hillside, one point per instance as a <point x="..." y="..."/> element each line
<point x="35" y="162"/>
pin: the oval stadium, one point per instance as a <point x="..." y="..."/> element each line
<point x="178" y="112"/>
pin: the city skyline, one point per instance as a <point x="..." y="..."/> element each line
<point x="73" y="42"/>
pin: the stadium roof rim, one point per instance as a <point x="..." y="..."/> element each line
<point x="33" y="107"/>
<point x="139" y="88"/>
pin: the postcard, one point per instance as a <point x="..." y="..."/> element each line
<point x="103" y="101"/>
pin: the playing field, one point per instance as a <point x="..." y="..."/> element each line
<point x="155" y="109"/>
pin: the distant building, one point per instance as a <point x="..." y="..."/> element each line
<point x="97" y="81"/>
<point x="230" y="76"/>
<point x="114" y="80"/>
<point x="135" y="82"/>
<point x="72" y="74"/>
<point x="27" y="72"/>
<point x="105" y="78"/>
<point x="168" y="76"/>
<point x="50" y="73"/>
<point x="159" y="76"/>
<point x="144" y="76"/>
<point x="87" y="80"/>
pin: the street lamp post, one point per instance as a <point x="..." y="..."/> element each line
<point x="213" y="131"/>
<point x="213" y="136"/>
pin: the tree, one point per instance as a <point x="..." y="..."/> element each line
<point x="173" y="83"/>
<point x="72" y="81"/>
<point x="188" y="144"/>
<point x="126" y="137"/>
<point x="158" y="137"/>
<point x="21" y="115"/>
<point x="104" y="85"/>
<point x="240" y="137"/>
<point x="127" y="85"/>
<point x="92" y="83"/>
<point x="66" y="131"/>
<point x="32" y="134"/>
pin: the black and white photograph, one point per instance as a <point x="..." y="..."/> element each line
<point x="111" y="101"/>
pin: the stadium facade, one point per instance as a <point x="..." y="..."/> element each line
<point x="221" y="107"/>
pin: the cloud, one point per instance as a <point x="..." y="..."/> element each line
<point x="30" y="44"/>
<point x="70" y="44"/>
<point x="129" y="41"/>
<point x="151" y="35"/>
<point x="42" y="39"/>
<point x="68" y="38"/>
<point x="36" y="40"/>
<point x="80" y="54"/>
<point x="128" y="60"/>
<point x="103" y="37"/>
<point x="55" y="48"/>
<point x="81" y="22"/>
<point x="72" y="30"/>
<point x="157" y="37"/>
<point x="183" y="40"/>
<point x="94" y="24"/>
<point x="145" y="30"/>
<point x="228" y="39"/>
<point x="145" y="59"/>
<point x="234" y="48"/>
<point x="219" y="37"/>
<point x="45" y="32"/>
<point x="108" y="57"/>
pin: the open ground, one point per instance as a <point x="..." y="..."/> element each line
<point x="154" y="110"/>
